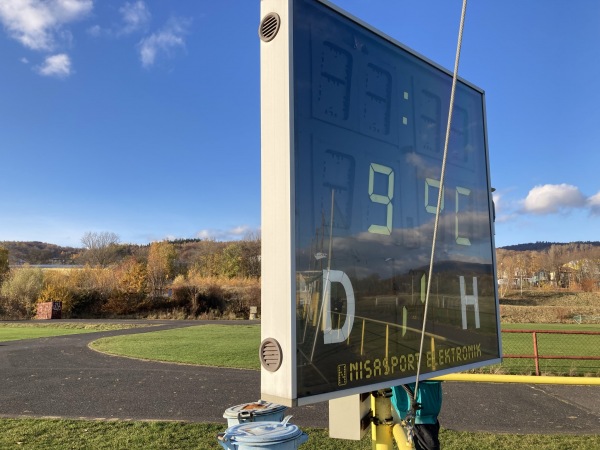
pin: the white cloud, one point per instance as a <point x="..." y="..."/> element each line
<point x="163" y="42"/>
<point x="135" y="16"/>
<point x="95" y="30"/>
<point x="594" y="204"/>
<point x="553" y="198"/>
<point x="233" y="234"/>
<point x="56" y="66"/>
<point x="36" y="24"/>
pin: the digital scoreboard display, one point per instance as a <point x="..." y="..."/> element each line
<point x="368" y="122"/>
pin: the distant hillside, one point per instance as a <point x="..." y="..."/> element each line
<point x="544" y="246"/>
<point x="34" y="252"/>
<point x="38" y="253"/>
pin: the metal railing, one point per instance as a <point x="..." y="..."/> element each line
<point x="585" y="348"/>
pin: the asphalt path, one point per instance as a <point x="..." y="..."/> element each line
<point x="62" y="377"/>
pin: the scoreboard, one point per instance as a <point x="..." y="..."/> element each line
<point x="353" y="127"/>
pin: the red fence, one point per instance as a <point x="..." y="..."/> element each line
<point x="578" y="352"/>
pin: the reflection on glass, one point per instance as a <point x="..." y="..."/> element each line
<point x="369" y="121"/>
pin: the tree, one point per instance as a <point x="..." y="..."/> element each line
<point x="191" y="286"/>
<point x="21" y="290"/>
<point x="132" y="277"/>
<point x="91" y="287"/>
<point x="251" y="257"/>
<point x="231" y="260"/>
<point x="556" y="259"/>
<point x="4" y="267"/>
<point x="101" y="248"/>
<point x="57" y="289"/>
<point x="161" y="259"/>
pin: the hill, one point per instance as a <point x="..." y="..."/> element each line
<point x="34" y="252"/>
<point x="545" y="246"/>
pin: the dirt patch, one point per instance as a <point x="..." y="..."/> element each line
<point x="550" y="307"/>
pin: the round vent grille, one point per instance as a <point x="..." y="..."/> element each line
<point x="269" y="27"/>
<point x="270" y="354"/>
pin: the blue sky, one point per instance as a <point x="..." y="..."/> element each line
<point x="142" y="117"/>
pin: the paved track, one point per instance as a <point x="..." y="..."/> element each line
<point x="62" y="377"/>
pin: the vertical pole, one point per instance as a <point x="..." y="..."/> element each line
<point x="381" y="427"/>
<point x="401" y="439"/>
<point x="433" y="353"/>
<point x="362" y="339"/>
<point x="387" y="340"/>
<point x="536" y="354"/>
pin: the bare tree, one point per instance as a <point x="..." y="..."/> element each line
<point x="101" y="248"/>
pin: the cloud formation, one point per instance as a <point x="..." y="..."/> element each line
<point x="41" y="25"/>
<point x="233" y="234"/>
<point x="594" y="204"/>
<point x="553" y="198"/>
<point x="135" y="16"/>
<point x="56" y="66"/>
<point x="37" y="24"/>
<point x="163" y="42"/>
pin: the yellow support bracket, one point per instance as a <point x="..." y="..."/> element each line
<point x="523" y="379"/>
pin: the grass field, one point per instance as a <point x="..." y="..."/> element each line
<point x="52" y="434"/>
<point x="230" y="346"/>
<point x="239" y="349"/>
<point x="183" y="345"/>
<point x="32" y="330"/>
<point x="550" y="345"/>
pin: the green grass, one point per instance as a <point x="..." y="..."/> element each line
<point x="551" y="326"/>
<point x="15" y="331"/>
<point x="551" y="345"/>
<point x="53" y="434"/>
<point x="238" y="349"/>
<point x="237" y="346"/>
<point x="49" y="434"/>
<point x="209" y="345"/>
<point x="230" y="346"/>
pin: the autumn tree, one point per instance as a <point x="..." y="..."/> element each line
<point x="250" y="253"/>
<point x="190" y="287"/>
<point x="557" y="257"/>
<point x="101" y="248"/>
<point x="132" y="277"/>
<point x="231" y="260"/>
<point x="91" y="288"/>
<point x="4" y="267"/>
<point x="57" y="289"/>
<point x="161" y="259"/>
<point x="21" y="290"/>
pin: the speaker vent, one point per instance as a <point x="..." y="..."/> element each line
<point x="270" y="354"/>
<point x="269" y="27"/>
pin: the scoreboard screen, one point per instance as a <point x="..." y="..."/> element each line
<point x="368" y="121"/>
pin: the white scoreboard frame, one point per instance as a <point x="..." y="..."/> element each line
<point x="278" y="285"/>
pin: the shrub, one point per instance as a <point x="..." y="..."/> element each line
<point x="20" y="292"/>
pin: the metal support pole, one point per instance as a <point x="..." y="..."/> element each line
<point x="524" y="379"/>
<point x="536" y="354"/>
<point x="402" y="441"/>
<point x="382" y="422"/>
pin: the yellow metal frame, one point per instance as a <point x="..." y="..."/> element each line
<point x="381" y="432"/>
<point x="524" y="379"/>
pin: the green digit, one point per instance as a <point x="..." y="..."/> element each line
<point x="382" y="199"/>
<point x="430" y="182"/>
<point x="459" y="239"/>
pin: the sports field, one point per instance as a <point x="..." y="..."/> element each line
<point x="183" y="345"/>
